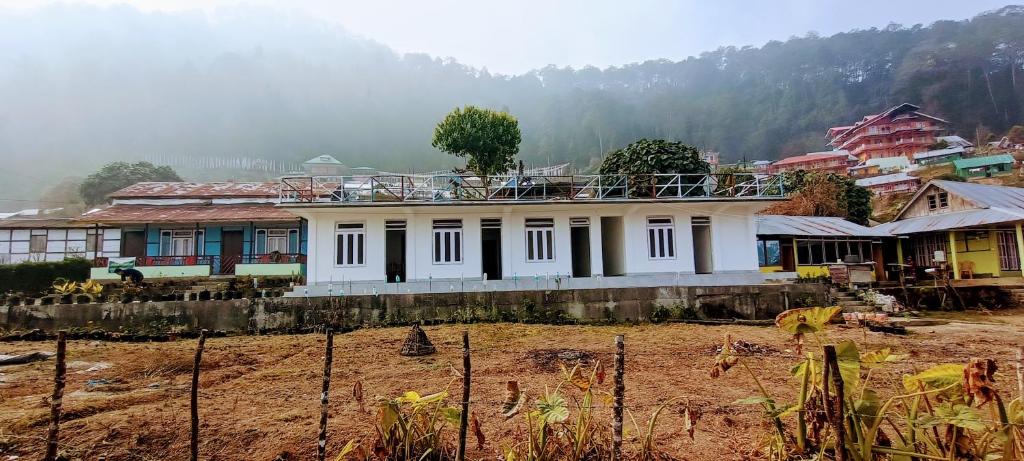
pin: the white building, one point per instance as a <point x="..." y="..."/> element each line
<point x="34" y="238"/>
<point x="455" y="233"/>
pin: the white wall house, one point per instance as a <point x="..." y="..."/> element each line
<point x="522" y="243"/>
<point x="54" y="239"/>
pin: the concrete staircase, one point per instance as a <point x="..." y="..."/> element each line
<point x="850" y="303"/>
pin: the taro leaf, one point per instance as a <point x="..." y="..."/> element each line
<point x="958" y="415"/>
<point x="452" y="415"/>
<point x="513" y="400"/>
<point x="474" y="425"/>
<point x="936" y="377"/>
<point x="575" y="377"/>
<point x="348" y="449"/>
<point x="757" y="400"/>
<point x="849" y="365"/>
<point x="690" y="418"/>
<point x="783" y="410"/>
<point x="806" y="320"/>
<point x="868" y="405"/>
<point x="409" y="397"/>
<point x="979" y="381"/>
<point x="428" y="399"/>
<point x="552" y="408"/>
<point x="388" y="416"/>
<point x="879" y="357"/>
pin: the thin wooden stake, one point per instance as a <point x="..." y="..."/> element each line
<point x="1020" y="373"/>
<point x="464" y="417"/>
<point x="834" y="404"/>
<point x="58" y="396"/>
<point x="620" y="390"/>
<point x="194" y="403"/>
<point x="321" y="449"/>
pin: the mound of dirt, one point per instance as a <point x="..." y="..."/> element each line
<point x="548" y="359"/>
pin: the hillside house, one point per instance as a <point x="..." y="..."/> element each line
<point x="939" y="156"/>
<point x="805" y="246"/>
<point x="984" y="167"/>
<point x="182" y="229"/>
<point x="323" y="165"/>
<point x="973" y="229"/>
<point x="826" y="162"/>
<point x="902" y="130"/>
<point x="880" y="166"/>
<point x="896" y="183"/>
<point x="38" y="237"/>
<point x="420" y="233"/>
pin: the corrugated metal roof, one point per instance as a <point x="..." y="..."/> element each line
<point x="975" y="162"/>
<point x="985" y="195"/>
<point x="151" y="190"/>
<point x="191" y="213"/>
<point x="886" y="179"/>
<point x="41" y="223"/>
<point x="938" y="153"/>
<point x="323" y="160"/>
<point x="814" y="226"/>
<point x="812" y="156"/>
<point x="946" y="221"/>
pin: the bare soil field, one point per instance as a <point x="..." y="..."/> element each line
<point x="260" y="396"/>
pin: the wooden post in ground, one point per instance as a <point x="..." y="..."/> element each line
<point x="194" y="402"/>
<point x="1020" y="373"/>
<point x="620" y="390"/>
<point x="834" y="403"/>
<point x="56" y="398"/>
<point x="464" y="417"/>
<point x="321" y="448"/>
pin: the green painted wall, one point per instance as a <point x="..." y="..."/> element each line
<point x="153" y="272"/>
<point x="270" y="269"/>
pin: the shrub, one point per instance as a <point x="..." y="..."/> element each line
<point x="38" y="277"/>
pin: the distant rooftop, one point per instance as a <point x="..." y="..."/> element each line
<point x="194" y="190"/>
<point x="975" y="162"/>
<point x="322" y="160"/>
<point x="886" y="179"/>
<point x="812" y="156"/>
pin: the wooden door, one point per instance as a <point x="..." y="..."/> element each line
<point x="230" y="250"/>
<point x="133" y="244"/>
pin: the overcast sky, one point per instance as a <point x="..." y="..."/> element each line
<point x="514" y="36"/>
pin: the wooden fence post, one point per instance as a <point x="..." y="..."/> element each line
<point x="834" y="404"/>
<point x="1020" y="373"/>
<point x="321" y="449"/>
<point x="620" y="390"/>
<point x="464" y="417"/>
<point x="194" y="402"/>
<point x="57" y="397"/>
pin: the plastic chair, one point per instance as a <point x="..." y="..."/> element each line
<point x="967" y="269"/>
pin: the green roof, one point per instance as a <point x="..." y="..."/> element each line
<point x="322" y="159"/>
<point x="975" y="162"/>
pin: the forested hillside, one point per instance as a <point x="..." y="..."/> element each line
<point x="119" y="84"/>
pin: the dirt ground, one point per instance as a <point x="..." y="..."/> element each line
<point x="260" y="396"/>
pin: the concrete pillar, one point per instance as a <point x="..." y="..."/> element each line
<point x="952" y="256"/>
<point x="1020" y="247"/>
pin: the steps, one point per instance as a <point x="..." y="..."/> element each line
<point x="850" y="303"/>
<point x="1016" y="295"/>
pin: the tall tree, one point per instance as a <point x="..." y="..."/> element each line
<point x="488" y="139"/>
<point x="817" y="194"/>
<point x="118" y="175"/>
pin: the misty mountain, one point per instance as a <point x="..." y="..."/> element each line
<point x="80" y="86"/>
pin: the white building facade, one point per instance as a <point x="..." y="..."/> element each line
<point x="522" y="241"/>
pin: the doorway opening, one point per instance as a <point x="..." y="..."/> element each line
<point x="702" y="262"/>
<point x="394" y="251"/>
<point x="490" y="248"/>
<point x="579" y="237"/>
<point x="232" y="244"/>
<point x="133" y="243"/>
<point x="612" y="243"/>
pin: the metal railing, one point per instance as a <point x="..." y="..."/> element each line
<point x="467" y="188"/>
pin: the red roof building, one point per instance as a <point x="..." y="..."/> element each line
<point x="829" y="162"/>
<point x="900" y="131"/>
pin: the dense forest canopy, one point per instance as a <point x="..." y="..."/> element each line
<point x="80" y="86"/>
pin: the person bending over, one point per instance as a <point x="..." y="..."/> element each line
<point x="130" y="274"/>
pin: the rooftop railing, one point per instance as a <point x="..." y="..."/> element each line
<point x="450" y="188"/>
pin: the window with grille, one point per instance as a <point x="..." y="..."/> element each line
<point x="447" y="241"/>
<point x="540" y="240"/>
<point x="284" y="241"/>
<point x="351" y="244"/>
<point x="182" y="242"/>
<point x="660" y="238"/>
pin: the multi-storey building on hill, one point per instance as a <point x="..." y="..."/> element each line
<point x="900" y="131"/>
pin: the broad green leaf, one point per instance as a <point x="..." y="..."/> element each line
<point x="784" y="410"/>
<point x="346" y="450"/>
<point x="806" y="320"/>
<point x="409" y="397"/>
<point x="849" y="365"/>
<point x="868" y="405"/>
<point x="388" y="416"/>
<point x="552" y="408"/>
<point x="958" y="415"/>
<point x="879" y="357"/>
<point x="452" y="415"/>
<point x="936" y="377"/>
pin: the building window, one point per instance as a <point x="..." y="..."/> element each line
<point x="447" y="241"/>
<point x="943" y="200"/>
<point x="92" y="239"/>
<point x="973" y="241"/>
<point x="182" y="242"/>
<point x="822" y="252"/>
<point x="940" y="200"/>
<point x="37" y="244"/>
<point x="660" y="238"/>
<point x="540" y="239"/>
<point x="769" y="253"/>
<point x="284" y="241"/>
<point x="351" y="248"/>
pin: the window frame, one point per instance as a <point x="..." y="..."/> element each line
<point x="33" y="246"/>
<point x="539" y="234"/>
<point x="263" y="237"/>
<point x="661" y="238"/>
<point x="762" y="252"/>
<point x="447" y="239"/>
<point x="358" y="240"/>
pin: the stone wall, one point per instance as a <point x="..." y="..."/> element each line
<point x="590" y="305"/>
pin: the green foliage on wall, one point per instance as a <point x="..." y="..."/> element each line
<point x="37" y="277"/>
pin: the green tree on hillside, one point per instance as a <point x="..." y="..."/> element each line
<point x="488" y="139"/>
<point x="118" y="175"/>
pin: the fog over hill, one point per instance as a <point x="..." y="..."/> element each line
<point x="80" y="86"/>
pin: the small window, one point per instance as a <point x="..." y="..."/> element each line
<point x="351" y="244"/>
<point x="447" y="241"/>
<point x="37" y="244"/>
<point x="932" y="202"/>
<point x="769" y="253"/>
<point x="274" y="240"/>
<point x="660" y="238"/>
<point x="540" y="240"/>
<point x="943" y="200"/>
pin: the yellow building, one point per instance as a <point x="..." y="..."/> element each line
<point x="805" y="246"/>
<point x="974" y="230"/>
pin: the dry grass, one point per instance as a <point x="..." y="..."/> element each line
<point x="260" y="395"/>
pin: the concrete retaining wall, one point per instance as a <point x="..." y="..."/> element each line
<point x="620" y="304"/>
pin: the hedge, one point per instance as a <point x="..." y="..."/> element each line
<point x="38" y="277"/>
